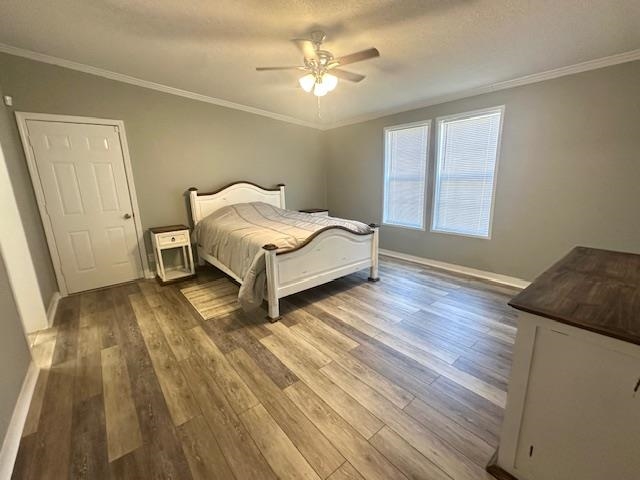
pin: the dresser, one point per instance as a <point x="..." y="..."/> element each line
<point x="573" y="405"/>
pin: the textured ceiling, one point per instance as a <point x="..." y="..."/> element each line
<point x="429" y="48"/>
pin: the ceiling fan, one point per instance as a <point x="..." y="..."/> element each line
<point x="323" y="69"/>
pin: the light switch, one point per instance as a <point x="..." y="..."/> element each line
<point x="8" y="100"/>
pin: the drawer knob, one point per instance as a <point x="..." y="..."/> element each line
<point x="173" y="239"/>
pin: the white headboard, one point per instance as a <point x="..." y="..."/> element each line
<point x="204" y="204"/>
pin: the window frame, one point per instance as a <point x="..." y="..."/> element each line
<point x="402" y="126"/>
<point x="436" y="171"/>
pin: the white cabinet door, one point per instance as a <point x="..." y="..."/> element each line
<point x="81" y="170"/>
<point x="582" y="413"/>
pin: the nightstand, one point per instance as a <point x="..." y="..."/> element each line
<point x="323" y="212"/>
<point x="170" y="237"/>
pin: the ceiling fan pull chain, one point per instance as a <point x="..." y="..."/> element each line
<point x="318" y="110"/>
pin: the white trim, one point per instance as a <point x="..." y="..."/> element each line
<point x="133" y="196"/>
<point x="630" y="56"/>
<point x="402" y="126"/>
<point x="452" y="267"/>
<point x="14" y="249"/>
<point x="438" y="151"/>
<point x="21" y="119"/>
<point x="595" y="64"/>
<point x="11" y="441"/>
<point x="391" y="128"/>
<point x="53" y="308"/>
<point x="120" y="77"/>
<point x="470" y="114"/>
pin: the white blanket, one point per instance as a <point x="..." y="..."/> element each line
<point x="236" y="234"/>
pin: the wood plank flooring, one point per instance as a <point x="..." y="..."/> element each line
<point x="401" y="379"/>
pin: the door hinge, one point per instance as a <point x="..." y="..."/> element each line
<point x="117" y="129"/>
<point x="531" y="451"/>
<point x="29" y="141"/>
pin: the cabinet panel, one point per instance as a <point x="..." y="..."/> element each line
<point x="582" y="416"/>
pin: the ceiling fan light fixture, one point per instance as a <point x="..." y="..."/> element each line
<point x="329" y="81"/>
<point x="321" y="66"/>
<point x="320" y="90"/>
<point x="307" y="82"/>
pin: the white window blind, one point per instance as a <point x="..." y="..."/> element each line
<point x="406" y="149"/>
<point x="465" y="172"/>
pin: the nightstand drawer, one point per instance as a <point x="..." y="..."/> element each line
<point x="173" y="238"/>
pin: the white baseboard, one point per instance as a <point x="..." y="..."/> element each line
<point x="53" y="308"/>
<point x="12" y="438"/>
<point x="451" y="267"/>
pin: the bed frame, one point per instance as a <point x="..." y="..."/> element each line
<point x="329" y="253"/>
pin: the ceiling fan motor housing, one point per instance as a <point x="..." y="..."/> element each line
<point x="317" y="37"/>
<point x="324" y="57"/>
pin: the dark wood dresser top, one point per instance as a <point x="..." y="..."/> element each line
<point x="598" y="290"/>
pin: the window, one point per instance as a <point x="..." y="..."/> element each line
<point x="405" y="165"/>
<point x="465" y="177"/>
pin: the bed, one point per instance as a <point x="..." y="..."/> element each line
<point x="328" y="253"/>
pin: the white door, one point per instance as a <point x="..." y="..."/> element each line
<point x="81" y="170"/>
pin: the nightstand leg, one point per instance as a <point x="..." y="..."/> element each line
<point x="160" y="266"/>
<point x="192" y="267"/>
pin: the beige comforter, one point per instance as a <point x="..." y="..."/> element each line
<point x="235" y="235"/>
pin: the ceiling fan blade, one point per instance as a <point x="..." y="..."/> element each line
<point x="262" y="69"/>
<point x="358" y="56"/>
<point x="306" y="47"/>
<point x="345" y="75"/>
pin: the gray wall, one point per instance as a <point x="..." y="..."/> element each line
<point x="569" y="173"/>
<point x="14" y="352"/>
<point x="175" y="143"/>
<point x="26" y="200"/>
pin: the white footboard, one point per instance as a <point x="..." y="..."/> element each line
<point x="329" y="254"/>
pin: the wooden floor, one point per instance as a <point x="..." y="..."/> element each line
<point x="404" y="378"/>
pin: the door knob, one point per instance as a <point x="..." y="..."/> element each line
<point x="127" y="216"/>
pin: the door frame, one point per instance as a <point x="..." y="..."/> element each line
<point x="21" y="120"/>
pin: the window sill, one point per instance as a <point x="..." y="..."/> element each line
<point x="458" y="234"/>
<point x="406" y="227"/>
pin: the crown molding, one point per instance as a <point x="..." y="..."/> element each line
<point x="611" y="60"/>
<point x="120" y="77"/>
